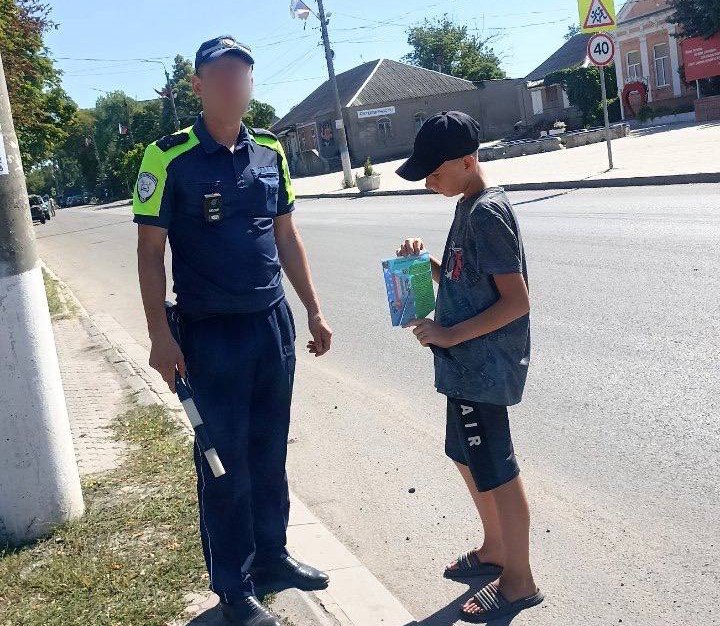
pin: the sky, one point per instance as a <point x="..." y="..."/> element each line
<point x="289" y="58"/>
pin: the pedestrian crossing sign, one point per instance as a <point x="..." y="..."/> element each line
<point x="597" y="16"/>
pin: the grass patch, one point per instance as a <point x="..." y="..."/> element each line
<point x="60" y="307"/>
<point x="135" y="553"/>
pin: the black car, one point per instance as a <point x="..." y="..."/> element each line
<point x="38" y="211"/>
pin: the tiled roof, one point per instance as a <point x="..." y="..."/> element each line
<point x="393" y="81"/>
<point x="571" y="54"/>
<point x="374" y="84"/>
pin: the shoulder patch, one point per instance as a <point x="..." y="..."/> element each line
<point x="264" y="131"/>
<point x="170" y="141"/>
<point x="146" y="185"/>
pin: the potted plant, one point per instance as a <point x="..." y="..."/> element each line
<point x="370" y="181"/>
<point x="558" y="129"/>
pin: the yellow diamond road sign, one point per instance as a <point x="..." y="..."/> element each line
<point x="597" y="16"/>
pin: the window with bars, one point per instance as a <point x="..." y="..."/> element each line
<point x="384" y="128"/>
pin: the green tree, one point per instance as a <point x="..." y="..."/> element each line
<point x="130" y="162"/>
<point x="146" y="118"/>
<point x="188" y="105"/>
<point x="572" y="30"/>
<point x="260" y="115"/>
<point x="41" y="109"/>
<point x="447" y="47"/>
<point x="582" y="85"/>
<point x="77" y="158"/>
<point x="696" y="18"/>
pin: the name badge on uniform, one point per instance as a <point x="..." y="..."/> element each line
<point x="212" y="205"/>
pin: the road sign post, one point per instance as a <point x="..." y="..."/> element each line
<point x="601" y="52"/>
<point x="607" y="117"/>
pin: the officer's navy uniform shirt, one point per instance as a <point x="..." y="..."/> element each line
<point x="232" y="265"/>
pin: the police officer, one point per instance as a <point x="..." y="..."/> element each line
<point x="220" y="193"/>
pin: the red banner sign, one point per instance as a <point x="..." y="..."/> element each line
<point x="701" y="57"/>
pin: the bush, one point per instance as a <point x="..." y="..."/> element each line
<point x="645" y="114"/>
<point x="684" y="108"/>
<point x="368" y="167"/>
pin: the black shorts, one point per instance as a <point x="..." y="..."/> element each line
<point x="478" y="435"/>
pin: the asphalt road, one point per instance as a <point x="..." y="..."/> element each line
<point x="618" y="435"/>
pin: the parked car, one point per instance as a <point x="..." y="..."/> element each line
<point x="46" y="209"/>
<point x="76" y="200"/>
<point x="37" y="209"/>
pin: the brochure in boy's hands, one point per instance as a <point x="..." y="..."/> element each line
<point x="409" y="288"/>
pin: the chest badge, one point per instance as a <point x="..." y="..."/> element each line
<point x="212" y="205"/>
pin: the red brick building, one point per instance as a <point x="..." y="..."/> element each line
<point x="647" y="50"/>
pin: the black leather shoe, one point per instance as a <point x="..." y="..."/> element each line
<point x="248" y="612"/>
<point x="292" y="572"/>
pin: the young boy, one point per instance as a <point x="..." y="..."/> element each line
<point x="481" y="341"/>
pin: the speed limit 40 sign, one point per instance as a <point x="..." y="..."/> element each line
<point x="601" y="49"/>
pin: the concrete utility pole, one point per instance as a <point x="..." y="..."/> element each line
<point x="39" y="481"/>
<point x="339" y="123"/>
<point x="171" y="96"/>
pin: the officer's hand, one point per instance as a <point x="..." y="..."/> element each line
<point x="165" y="356"/>
<point x="410" y="247"/>
<point x="322" y="335"/>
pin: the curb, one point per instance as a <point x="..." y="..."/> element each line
<point x="598" y="183"/>
<point x="355" y="596"/>
<point x="585" y="183"/>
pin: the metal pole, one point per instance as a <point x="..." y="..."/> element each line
<point x="171" y="95"/>
<point x="127" y="114"/>
<point x="39" y="480"/>
<point x="697" y="84"/>
<point x="339" y="123"/>
<point x="607" y="116"/>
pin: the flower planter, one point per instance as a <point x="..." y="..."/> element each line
<point x="368" y="183"/>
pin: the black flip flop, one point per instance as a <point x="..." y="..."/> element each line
<point x="495" y="605"/>
<point x="469" y="565"/>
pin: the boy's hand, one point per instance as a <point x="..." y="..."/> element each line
<point x="430" y="332"/>
<point x="411" y="247"/>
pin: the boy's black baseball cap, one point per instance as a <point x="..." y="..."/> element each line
<point x="446" y="136"/>
<point x="218" y="46"/>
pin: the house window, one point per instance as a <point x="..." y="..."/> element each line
<point x="566" y="100"/>
<point x="552" y="97"/>
<point x="537" y="102"/>
<point x="662" y="64"/>
<point x="384" y="128"/>
<point x="634" y="64"/>
<point x="419" y="120"/>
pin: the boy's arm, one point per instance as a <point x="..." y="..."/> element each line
<point x="436" y="265"/>
<point x="514" y="302"/>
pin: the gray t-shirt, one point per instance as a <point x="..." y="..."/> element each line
<point x="484" y="240"/>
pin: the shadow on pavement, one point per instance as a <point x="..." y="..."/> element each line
<point x="550" y="197"/>
<point x="450" y="614"/>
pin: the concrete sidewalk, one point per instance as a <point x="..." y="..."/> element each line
<point x="660" y="155"/>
